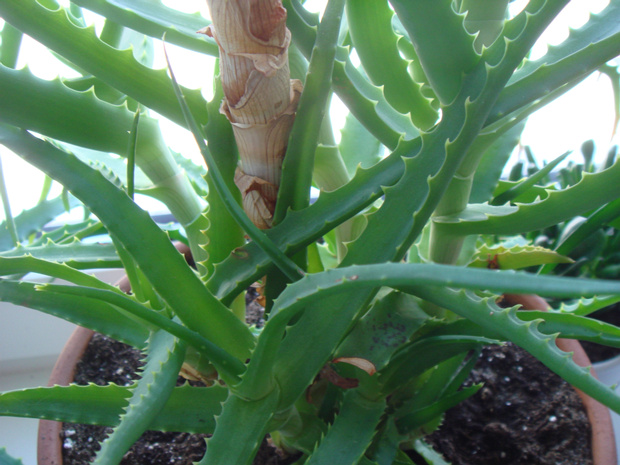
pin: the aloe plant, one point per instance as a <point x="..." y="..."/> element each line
<point x="380" y="289"/>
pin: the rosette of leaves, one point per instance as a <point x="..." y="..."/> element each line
<point x="372" y="315"/>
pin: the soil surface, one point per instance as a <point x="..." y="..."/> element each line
<point x="523" y="415"/>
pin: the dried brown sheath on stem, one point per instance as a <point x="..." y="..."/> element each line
<point x="260" y="98"/>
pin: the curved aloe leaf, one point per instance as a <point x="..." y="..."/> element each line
<point x="599" y="218"/>
<point x="294" y="191"/>
<point x="186" y="294"/>
<point x="90" y="313"/>
<point x="163" y="363"/>
<point x="445" y="57"/>
<point x="76" y="254"/>
<point x="585" y="307"/>
<point x="300" y="228"/>
<point x="594" y="190"/>
<point x="514" y="256"/>
<point x="154" y="19"/>
<point x="355" y="426"/>
<point x="487" y="314"/>
<point x="6" y="459"/>
<point x="254" y="415"/>
<point x="382" y="62"/>
<point x="419" y="418"/>
<point x="118" y="68"/>
<point x="188" y="408"/>
<point x="581" y="53"/>
<point x="229" y="368"/>
<point x="364" y="100"/>
<point x="575" y="327"/>
<point x="32" y="220"/>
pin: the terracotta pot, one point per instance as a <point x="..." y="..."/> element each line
<point x="603" y="438"/>
<point x="49" y="448"/>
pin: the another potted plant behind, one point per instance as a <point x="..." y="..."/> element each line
<point x="368" y="285"/>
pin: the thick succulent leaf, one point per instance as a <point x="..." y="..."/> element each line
<point x="90" y="313"/>
<point x="186" y="294"/>
<point x="593" y="224"/>
<point x="354" y="426"/>
<point x="428" y="453"/>
<point x="154" y="19"/>
<point x="54" y="29"/>
<point x="421" y="355"/>
<point x="299" y="228"/>
<point x="487" y="314"/>
<point x="514" y="257"/>
<point x="445" y="57"/>
<point x="82" y="119"/>
<point x="383" y="329"/>
<point x="382" y="62"/>
<point x="6" y="459"/>
<point x="357" y="146"/>
<point x="253" y="415"/>
<point x="79" y="118"/>
<point x="593" y="191"/>
<point x="400" y="275"/>
<point x="416" y="419"/>
<point x="76" y="254"/>
<point x="587" y="306"/>
<point x="523" y="186"/>
<point x="188" y="408"/>
<point x="159" y="375"/>
<point x="584" y="51"/>
<point x="229" y="368"/>
<point x="575" y="327"/>
<point x="491" y="164"/>
<point x="24" y="263"/>
<point x="364" y="100"/>
<point x="32" y="220"/>
<point x="297" y="167"/>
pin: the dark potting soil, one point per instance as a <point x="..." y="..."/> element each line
<point x="523" y="415"/>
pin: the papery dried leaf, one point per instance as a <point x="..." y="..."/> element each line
<point x="360" y="363"/>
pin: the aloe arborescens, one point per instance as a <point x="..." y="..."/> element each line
<point x="407" y="294"/>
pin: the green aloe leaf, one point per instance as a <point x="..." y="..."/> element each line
<point x="419" y="418"/>
<point x="76" y="254"/>
<point x="364" y="100"/>
<point x="54" y="29"/>
<point x="445" y="57"/>
<point x="254" y="415"/>
<point x="163" y="363"/>
<point x="297" y="167"/>
<point x="90" y="313"/>
<point x="188" y="408"/>
<point x="186" y="294"/>
<point x="582" y="52"/>
<point x="32" y="220"/>
<point x="593" y="191"/>
<point x="6" y="459"/>
<point x="382" y="62"/>
<point x="484" y="312"/>
<point x="154" y="19"/>
<point x="355" y="426"/>
<point x="575" y="327"/>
